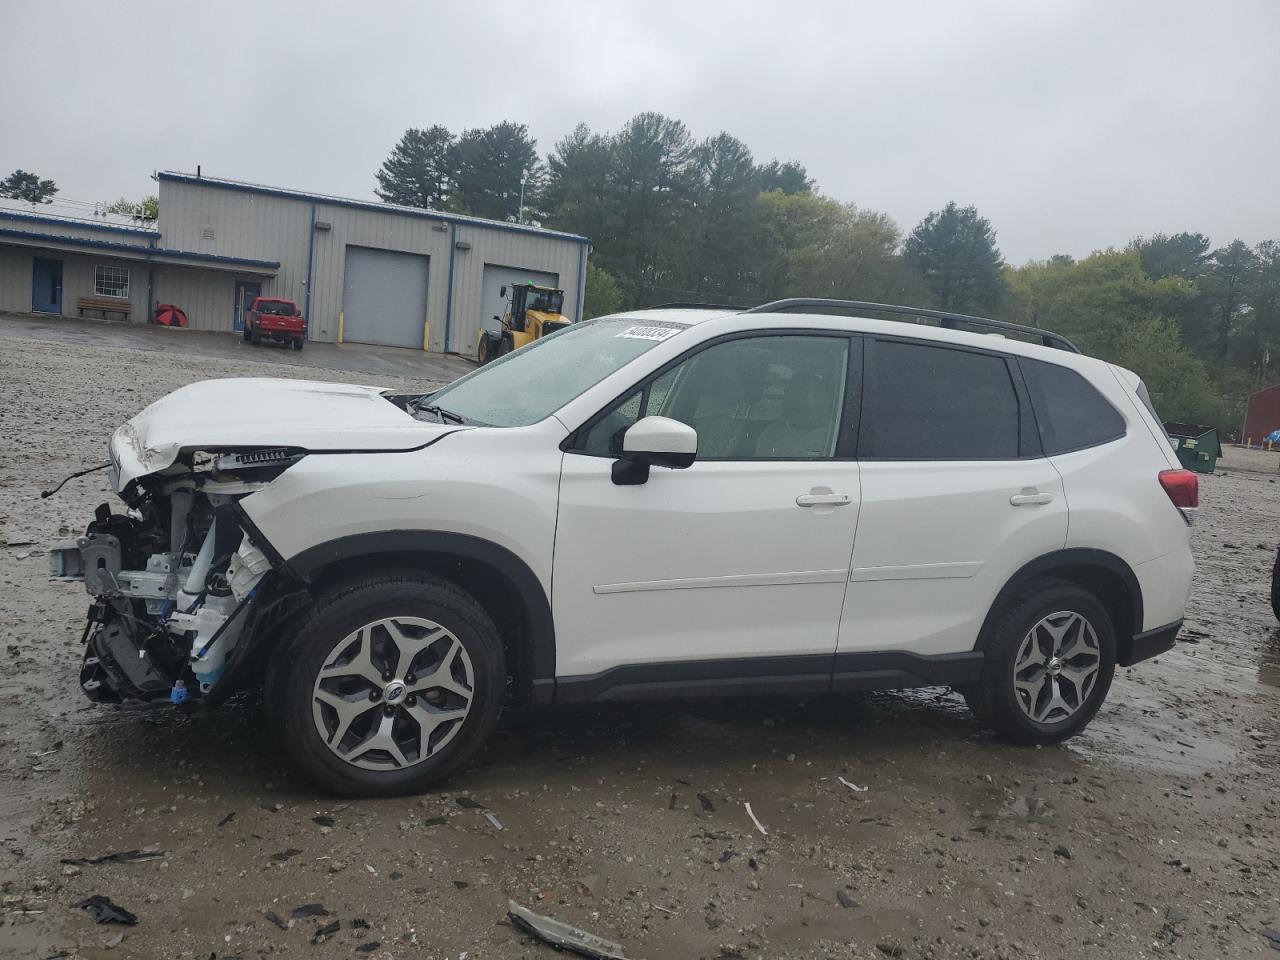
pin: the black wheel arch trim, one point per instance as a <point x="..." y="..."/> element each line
<point x="542" y="638"/>
<point x="1073" y="557"/>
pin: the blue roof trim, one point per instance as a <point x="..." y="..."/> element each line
<point x="64" y="222"/>
<point x="144" y="253"/>
<point x="367" y="205"/>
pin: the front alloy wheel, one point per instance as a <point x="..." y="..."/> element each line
<point x="392" y="693"/>
<point x="388" y="684"/>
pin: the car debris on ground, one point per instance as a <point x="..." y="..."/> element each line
<point x="121" y="856"/>
<point x="104" y="911"/>
<point x="563" y="936"/>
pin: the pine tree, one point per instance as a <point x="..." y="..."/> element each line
<point x="955" y="252"/>
<point x="420" y="170"/>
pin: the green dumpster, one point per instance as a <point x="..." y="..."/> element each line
<point x="1197" y="446"/>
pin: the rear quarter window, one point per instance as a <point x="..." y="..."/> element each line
<point x="1070" y="411"/>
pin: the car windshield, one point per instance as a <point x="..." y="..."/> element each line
<point x="533" y="383"/>
<point x="276" y="308"/>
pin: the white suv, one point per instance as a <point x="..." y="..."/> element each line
<point x="655" y="504"/>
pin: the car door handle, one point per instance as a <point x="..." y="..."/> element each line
<point x="1030" y="498"/>
<point x="819" y="499"/>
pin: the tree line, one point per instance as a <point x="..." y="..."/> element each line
<point x="675" y="218"/>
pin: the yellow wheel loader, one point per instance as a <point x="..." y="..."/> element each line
<point x="532" y="312"/>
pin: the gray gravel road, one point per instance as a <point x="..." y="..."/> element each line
<point x="1152" y="835"/>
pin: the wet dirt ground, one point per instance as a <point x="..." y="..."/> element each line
<point x="1154" y="834"/>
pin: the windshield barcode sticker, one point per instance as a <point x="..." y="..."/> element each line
<point x="648" y="333"/>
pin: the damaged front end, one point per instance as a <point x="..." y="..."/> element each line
<point x="180" y="584"/>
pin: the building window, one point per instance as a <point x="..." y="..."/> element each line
<point x="111" y="282"/>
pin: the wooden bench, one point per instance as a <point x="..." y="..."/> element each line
<point x="106" y="305"/>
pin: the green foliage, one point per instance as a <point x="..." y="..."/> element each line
<point x="21" y="185"/>
<point x="494" y="167"/>
<point x="148" y="208"/>
<point x="954" y="249"/>
<point x="1111" y="309"/>
<point x="603" y="294"/>
<point x="420" y="170"/>
<point x="671" y="217"/>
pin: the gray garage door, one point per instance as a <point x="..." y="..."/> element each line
<point x="384" y="297"/>
<point x="495" y="278"/>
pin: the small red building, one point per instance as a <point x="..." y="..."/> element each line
<point x="1261" y="414"/>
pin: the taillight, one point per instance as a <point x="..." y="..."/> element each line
<point x="1183" y="488"/>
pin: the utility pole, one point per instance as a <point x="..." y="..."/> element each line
<point x="524" y="178"/>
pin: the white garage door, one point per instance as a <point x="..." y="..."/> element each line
<point x="384" y="297"/>
<point x="494" y="304"/>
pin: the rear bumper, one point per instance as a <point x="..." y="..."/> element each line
<point x="1148" y="644"/>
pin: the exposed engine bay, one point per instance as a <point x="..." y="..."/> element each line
<point x="178" y="581"/>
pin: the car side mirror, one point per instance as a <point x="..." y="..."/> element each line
<point x="654" y="442"/>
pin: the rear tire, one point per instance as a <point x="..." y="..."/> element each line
<point x="1050" y="658"/>
<point x="344" y="699"/>
<point x="297" y="344"/>
<point x="256" y="338"/>
<point x="1275" y="586"/>
<point x="244" y="334"/>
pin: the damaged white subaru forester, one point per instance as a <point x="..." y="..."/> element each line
<point x="665" y="503"/>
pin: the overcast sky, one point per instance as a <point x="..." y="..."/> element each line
<point x="1071" y="125"/>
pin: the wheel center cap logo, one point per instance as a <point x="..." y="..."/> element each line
<point x="395" y="692"/>
<point x="1055" y="666"/>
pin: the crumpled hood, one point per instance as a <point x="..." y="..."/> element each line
<point x="263" y="412"/>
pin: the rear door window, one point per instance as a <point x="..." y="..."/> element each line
<point x="1070" y="411"/>
<point x="925" y="402"/>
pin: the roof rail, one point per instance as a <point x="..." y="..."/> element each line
<point x="952" y="321"/>
<point x="694" y="305"/>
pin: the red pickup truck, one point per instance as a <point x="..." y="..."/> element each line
<point x="274" y="318"/>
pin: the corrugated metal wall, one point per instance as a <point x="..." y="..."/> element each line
<point x="1262" y="415"/>
<point x="239" y="223"/>
<point x="15" y="279"/>
<point x="77" y="280"/>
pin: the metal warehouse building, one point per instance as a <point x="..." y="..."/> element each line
<point x="361" y="271"/>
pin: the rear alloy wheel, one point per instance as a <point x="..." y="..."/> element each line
<point x="391" y="683"/>
<point x="1049" y="661"/>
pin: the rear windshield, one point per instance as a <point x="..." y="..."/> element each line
<point x="531" y="384"/>
<point x="276" y="308"/>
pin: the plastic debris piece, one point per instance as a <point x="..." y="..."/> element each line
<point x="323" y="821"/>
<point x="359" y="923"/>
<point x="104" y="911"/>
<point x="497" y="824"/>
<point x="563" y="936"/>
<point x="275" y="918"/>
<point x="369" y="947"/>
<point x="328" y="930"/>
<point x="756" y="820"/>
<point x="284" y="855"/>
<point x="707" y="805"/>
<point x="853" y="786"/>
<point x="468" y="804"/>
<point x="310" y="910"/>
<point x="846" y="901"/>
<point x="435" y="821"/>
<point x="227" y="819"/>
<point x="178" y="693"/>
<point x="122" y="856"/>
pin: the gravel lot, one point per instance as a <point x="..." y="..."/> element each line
<point x="1152" y="835"/>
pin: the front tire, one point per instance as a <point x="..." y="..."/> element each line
<point x="1050" y="658"/>
<point x="391" y="683"/>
